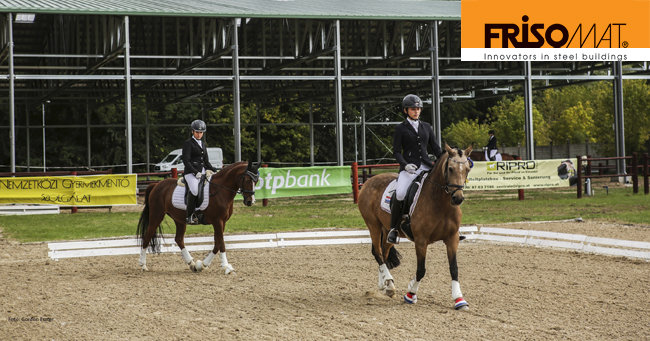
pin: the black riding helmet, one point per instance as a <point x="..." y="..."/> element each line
<point x="199" y="126"/>
<point x="491" y="132"/>
<point x="411" y="101"/>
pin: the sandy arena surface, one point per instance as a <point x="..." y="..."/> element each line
<point x="330" y="292"/>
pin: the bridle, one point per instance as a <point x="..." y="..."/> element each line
<point x="246" y="193"/>
<point x="447" y="185"/>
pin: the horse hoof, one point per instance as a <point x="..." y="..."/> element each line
<point x="198" y="266"/>
<point x="461" y="304"/>
<point x="390" y="288"/>
<point x="192" y="265"/>
<point x="410" y="298"/>
<point x="228" y="269"/>
<point x="144" y="268"/>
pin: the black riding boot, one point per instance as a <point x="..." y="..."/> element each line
<point x="395" y="218"/>
<point x="191" y="207"/>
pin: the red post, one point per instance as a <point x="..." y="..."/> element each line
<point x="579" y="171"/>
<point x="521" y="191"/>
<point x="646" y="185"/>
<point x="175" y="173"/>
<point x="265" y="202"/>
<point x="355" y="182"/>
<point x="74" y="209"/>
<point x="635" y="175"/>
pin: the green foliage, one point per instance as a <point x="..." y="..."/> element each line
<point x="569" y="113"/>
<point x="508" y="121"/>
<point x="465" y="133"/>
<point x="636" y="114"/>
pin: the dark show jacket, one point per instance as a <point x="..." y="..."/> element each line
<point x="410" y="146"/>
<point x="492" y="144"/>
<point x="195" y="157"/>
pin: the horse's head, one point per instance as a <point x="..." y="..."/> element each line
<point x="249" y="179"/>
<point x="456" y="169"/>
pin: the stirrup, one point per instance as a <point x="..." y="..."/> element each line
<point x="395" y="236"/>
<point x="192" y="220"/>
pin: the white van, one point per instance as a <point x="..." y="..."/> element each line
<point x="173" y="160"/>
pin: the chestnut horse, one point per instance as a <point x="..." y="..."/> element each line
<point x="239" y="177"/>
<point x="436" y="216"/>
<point x="480" y="156"/>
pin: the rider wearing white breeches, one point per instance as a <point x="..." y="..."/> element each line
<point x="196" y="161"/>
<point x="410" y="142"/>
<point x="491" y="150"/>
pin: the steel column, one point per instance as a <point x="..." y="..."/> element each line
<point x="619" y="117"/>
<point x="236" y="91"/>
<point x="528" y="105"/>
<point x="435" y="84"/>
<point x="339" y="96"/>
<point x="363" y="135"/>
<point x="311" y="135"/>
<point x="127" y="102"/>
<point x="12" y="112"/>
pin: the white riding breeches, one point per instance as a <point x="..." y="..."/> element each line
<point x="492" y="152"/>
<point x="193" y="182"/>
<point x="404" y="181"/>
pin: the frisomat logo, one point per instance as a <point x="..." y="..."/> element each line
<point x="574" y="30"/>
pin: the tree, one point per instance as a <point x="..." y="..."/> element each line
<point x="465" y="133"/>
<point x="636" y="115"/>
<point x="507" y="118"/>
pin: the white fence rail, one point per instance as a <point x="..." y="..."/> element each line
<point x="577" y="242"/>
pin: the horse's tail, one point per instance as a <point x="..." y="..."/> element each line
<point x="143" y="223"/>
<point x="394" y="257"/>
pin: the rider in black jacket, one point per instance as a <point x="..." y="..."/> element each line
<point x="410" y="142"/>
<point x="196" y="161"/>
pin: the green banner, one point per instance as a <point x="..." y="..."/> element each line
<point x="519" y="174"/>
<point x="301" y="181"/>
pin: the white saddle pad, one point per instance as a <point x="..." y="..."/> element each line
<point x="178" y="198"/>
<point x="390" y="189"/>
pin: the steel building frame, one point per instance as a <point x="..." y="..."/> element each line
<point x="102" y="59"/>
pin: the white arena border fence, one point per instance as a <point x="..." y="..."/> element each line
<point x="576" y="242"/>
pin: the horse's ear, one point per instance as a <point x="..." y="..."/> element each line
<point x="258" y="165"/>
<point x="468" y="151"/>
<point x="448" y="149"/>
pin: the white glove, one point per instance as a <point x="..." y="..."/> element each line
<point x="411" y="168"/>
<point x="198" y="175"/>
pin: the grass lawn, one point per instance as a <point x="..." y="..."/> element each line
<point x="339" y="211"/>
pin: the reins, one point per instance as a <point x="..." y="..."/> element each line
<point x="446" y="174"/>
<point x="254" y="177"/>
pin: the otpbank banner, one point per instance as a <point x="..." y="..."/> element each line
<point x="91" y="190"/>
<point x="555" y="30"/>
<point x="518" y="174"/>
<point x="301" y="181"/>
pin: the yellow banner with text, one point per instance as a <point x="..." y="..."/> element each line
<point x="91" y="190"/>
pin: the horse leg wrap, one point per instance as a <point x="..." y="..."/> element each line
<point x="208" y="259"/>
<point x="413" y="286"/>
<point x="411" y="296"/>
<point x="186" y="256"/>
<point x="384" y="276"/>
<point x="143" y="259"/>
<point x="224" y="263"/>
<point x="457" y="296"/>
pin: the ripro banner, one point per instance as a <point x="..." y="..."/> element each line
<point x="91" y="190"/>
<point x="301" y="181"/>
<point x="519" y="174"/>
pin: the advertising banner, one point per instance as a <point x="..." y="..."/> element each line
<point x="555" y="30"/>
<point x="301" y="181"/>
<point x="519" y="174"/>
<point x="91" y="190"/>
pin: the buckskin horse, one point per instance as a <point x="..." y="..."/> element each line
<point x="436" y="216"/>
<point x="239" y="177"/>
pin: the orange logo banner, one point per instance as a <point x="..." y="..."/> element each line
<point x="620" y="30"/>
